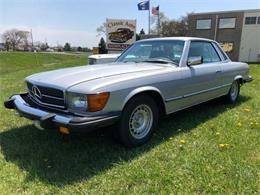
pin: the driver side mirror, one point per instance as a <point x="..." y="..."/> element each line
<point x="196" y="60"/>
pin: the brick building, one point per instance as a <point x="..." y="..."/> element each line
<point x="237" y="31"/>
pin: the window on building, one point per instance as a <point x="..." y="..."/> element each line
<point x="203" y="24"/>
<point x="258" y="22"/>
<point x="250" y="20"/>
<point x="227" y="22"/>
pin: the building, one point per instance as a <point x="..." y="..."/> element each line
<point x="238" y="32"/>
<point x="2" y="46"/>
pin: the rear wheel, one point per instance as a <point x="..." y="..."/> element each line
<point x="233" y="93"/>
<point x="138" y="121"/>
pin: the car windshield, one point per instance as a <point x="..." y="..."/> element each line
<point x="156" y="51"/>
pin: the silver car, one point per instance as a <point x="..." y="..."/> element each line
<point x="153" y="77"/>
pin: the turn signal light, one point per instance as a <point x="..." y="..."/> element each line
<point x="97" y="102"/>
<point x="64" y="130"/>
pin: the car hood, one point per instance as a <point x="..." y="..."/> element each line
<point x="68" y="77"/>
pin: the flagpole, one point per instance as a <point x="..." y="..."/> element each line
<point x="149" y="18"/>
<point x="158" y="21"/>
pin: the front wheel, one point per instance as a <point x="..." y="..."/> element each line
<point x="233" y="93"/>
<point x="138" y="121"/>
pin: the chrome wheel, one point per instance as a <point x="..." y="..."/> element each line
<point x="234" y="90"/>
<point x="141" y="120"/>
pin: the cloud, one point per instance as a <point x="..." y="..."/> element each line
<point x="59" y="36"/>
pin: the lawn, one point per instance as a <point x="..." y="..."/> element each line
<point x="211" y="148"/>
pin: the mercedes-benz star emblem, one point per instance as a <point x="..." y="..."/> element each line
<point x="36" y="92"/>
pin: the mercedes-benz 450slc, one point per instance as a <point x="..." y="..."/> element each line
<point x="153" y="77"/>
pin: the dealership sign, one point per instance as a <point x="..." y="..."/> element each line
<point x="120" y="33"/>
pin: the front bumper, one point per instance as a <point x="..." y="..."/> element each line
<point x="248" y="79"/>
<point x="50" y="120"/>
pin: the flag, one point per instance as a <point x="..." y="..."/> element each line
<point x="144" y="5"/>
<point x="155" y="11"/>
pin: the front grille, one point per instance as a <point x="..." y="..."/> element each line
<point x="46" y="95"/>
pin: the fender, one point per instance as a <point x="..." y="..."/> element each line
<point x="239" y="78"/>
<point x="140" y="90"/>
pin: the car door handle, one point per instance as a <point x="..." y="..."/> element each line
<point x="218" y="71"/>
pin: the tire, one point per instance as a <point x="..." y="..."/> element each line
<point x="233" y="93"/>
<point x="138" y="121"/>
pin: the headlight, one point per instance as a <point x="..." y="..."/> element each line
<point x="77" y="102"/>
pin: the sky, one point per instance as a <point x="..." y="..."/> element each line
<point x="76" y="21"/>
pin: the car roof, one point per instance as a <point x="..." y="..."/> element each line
<point x="103" y="56"/>
<point x="177" y="38"/>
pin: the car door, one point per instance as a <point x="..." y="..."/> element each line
<point x="201" y="82"/>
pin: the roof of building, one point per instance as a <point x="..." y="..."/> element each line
<point x="227" y="11"/>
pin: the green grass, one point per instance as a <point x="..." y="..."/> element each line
<point x="183" y="157"/>
<point x="15" y="61"/>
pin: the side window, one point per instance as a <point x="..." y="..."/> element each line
<point x="205" y="50"/>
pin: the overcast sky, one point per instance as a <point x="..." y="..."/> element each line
<point x="75" y="21"/>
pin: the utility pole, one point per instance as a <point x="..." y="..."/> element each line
<point x="36" y="59"/>
<point x="159" y="25"/>
<point x="216" y="28"/>
<point x="32" y="38"/>
<point x="149" y="18"/>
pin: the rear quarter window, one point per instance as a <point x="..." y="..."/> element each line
<point x="222" y="53"/>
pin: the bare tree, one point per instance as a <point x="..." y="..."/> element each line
<point x="101" y="30"/>
<point x="156" y="24"/>
<point x="175" y="27"/>
<point x="15" y="37"/>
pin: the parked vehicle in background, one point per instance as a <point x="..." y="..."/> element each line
<point x="49" y="50"/>
<point x="152" y="78"/>
<point x="102" y="58"/>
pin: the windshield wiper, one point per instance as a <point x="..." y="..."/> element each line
<point x="159" y="60"/>
<point x="130" y="61"/>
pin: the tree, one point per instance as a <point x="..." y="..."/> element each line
<point x="175" y="27"/>
<point x="67" y="47"/>
<point x="86" y="49"/>
<point x="101" y="30"/>
<point x="14" y="37"/>
<point x="102" y="46"/>
<point x="139" y="36"/>
<point x="156" y="25"/>
<point x="44" y="46"/>
<point x="79" y="48"/>
<point x="169" y="28"/>
<point x="142" y="32"/>
<point x="7" y="44"/>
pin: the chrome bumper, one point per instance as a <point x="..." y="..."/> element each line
<point x="248" y="79"/>
<point x="53" y="120"/>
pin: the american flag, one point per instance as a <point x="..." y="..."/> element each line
<point x="155" y="11"/>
